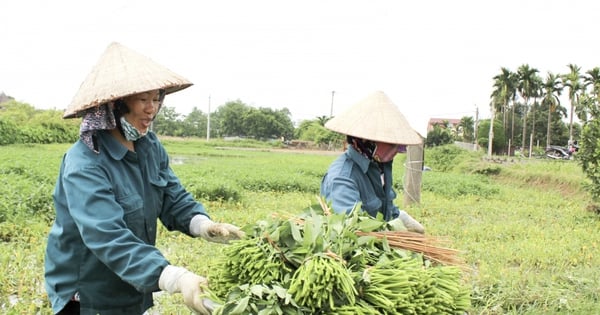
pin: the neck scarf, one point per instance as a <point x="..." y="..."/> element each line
<point x="94" y="119"/>
<point x="364" y="147"/>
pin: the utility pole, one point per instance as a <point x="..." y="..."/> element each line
<point x="413" y="174"/>
<point x="331" y="111"/>
<point x="475" y="128"/>
<point x="491" y="133"/>
<point x="208" y="121"/>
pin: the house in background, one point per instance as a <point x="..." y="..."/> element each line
<point x="4" y="97"/>
<point x="452" y="123"/>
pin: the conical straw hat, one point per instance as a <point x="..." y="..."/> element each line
<point x="375" y="118"/>
<point x="120" y="72"/>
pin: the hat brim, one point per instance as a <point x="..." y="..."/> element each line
<point x="121" y="72"/>
<point x="375" y="118"/>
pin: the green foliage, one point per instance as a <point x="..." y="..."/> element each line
<point x="589" y="156"/>
<point x="213" y="191"/>
<point x="9" y="132"/>
<point x="444" y="158"/>
<point x="196" y="123"/>
<point x="168" y="122"/>
<point x="322" y="262"/>
<point x="231" y="117"/>
<point x="21" y="123"/>
<point x="452" y="185"/>
<point x="499" y="143"/>
<point x="467" y="129"/>
<point x="439" y="136"/>
<point x="236" y="119"/>
<point x="313" y="130"/>
<point x="215" y="175"/>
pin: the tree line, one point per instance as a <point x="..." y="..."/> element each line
<point x="233" y="119"/>
<point x="529" y="106"/>
<point x="527" y="110"/>
<point x="22" y="123"/>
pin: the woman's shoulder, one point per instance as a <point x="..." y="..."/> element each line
<point x="79" y="157"/>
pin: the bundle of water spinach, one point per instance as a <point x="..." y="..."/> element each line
<point x="315" y="263"/>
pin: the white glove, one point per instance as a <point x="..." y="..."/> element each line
<point x="396" y="225"/>
<point x="409" y="223"/>
<point x="180" y="280"/>
<point x="204" y="227"/>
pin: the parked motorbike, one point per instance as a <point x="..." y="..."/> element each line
<point x="561" y="153"/>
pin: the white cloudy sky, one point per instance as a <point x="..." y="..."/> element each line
<point x="433" y="58"/>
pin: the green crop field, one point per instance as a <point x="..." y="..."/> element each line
<point x="528" y="231"/>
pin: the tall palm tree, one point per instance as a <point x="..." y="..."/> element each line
<point x="526" y="88"/>
<point x="552" y="88"/>
<point x="591" y="78"/>
<point x="466" y="125"/>
<point x="536" y="93"/>
<point x="572" y="81"/>
<point x="505" y="91"/>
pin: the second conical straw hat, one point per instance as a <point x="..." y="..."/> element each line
<point x="120" y="72"/>
<point x="375" y="118"/>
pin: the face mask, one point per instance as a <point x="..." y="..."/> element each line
<point x="130" y="132"/>
<point x="384" y="152"/>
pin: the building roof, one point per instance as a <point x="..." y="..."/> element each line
<point x="454" y="121"/>
<point x="441" y="122"/>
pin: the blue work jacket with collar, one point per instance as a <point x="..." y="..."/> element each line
<point x="101" y="244"/>
<point x="353" y="178"/>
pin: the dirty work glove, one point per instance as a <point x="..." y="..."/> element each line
<point x="408" y="223"/>
<point x="396" y="225"/>
<point x="204" y="227"/>
<point x="180" y="280"/>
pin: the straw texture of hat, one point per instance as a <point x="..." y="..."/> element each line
<point x="120" y="72"/>
<point x="375" y="118"/>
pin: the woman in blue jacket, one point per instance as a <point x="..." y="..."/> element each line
<point x="113" y="186"/>
<point x="375" y="131"/>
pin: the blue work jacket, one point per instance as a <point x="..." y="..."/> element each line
<point x="352" y="178"/>
<point x="101" y="244"/>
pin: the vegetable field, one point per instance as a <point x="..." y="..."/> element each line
<point x="527" y="229"/>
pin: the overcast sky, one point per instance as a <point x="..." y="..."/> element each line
<point x="434" y="59"/>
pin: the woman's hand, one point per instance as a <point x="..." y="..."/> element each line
<point x="214" y="232"/>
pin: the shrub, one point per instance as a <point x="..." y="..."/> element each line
<point x="444" y="158"/>
<point x="9" y="132"/>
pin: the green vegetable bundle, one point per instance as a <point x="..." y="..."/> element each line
<point x="322" y="263"/>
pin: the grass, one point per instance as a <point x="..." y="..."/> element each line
<point x="523" y="225"/>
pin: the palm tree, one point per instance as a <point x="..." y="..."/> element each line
<point x="552" y="88"/>
<point x="537" y="92"/>
<point x="323" y="119"/>
<point x="467" y="126"/>
<point x="505" y="91"/>
<point x="572" y="81"/>
<point x="592" y="78"/>
<point x="526" y="88"/>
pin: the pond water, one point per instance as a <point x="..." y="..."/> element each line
<point x="178" y="160"/>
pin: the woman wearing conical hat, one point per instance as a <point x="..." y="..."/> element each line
<point x="114" y="184"/>
<point x="376" y="131"/>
